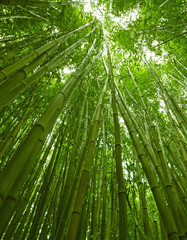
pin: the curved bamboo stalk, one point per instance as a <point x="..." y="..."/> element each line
<point x="72" y="230"/>
<point x="26" y="153"/>
<point x="19" y="83"/>
<point x="122" y="194"/>
<point x="152" y="179"/>
<point x="8" y="71"/>
<point x="66" y="209"/>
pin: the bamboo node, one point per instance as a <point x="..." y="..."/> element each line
<point x="12" y="197"/>
<point x="76" y="212"/>
<point x="154" y="187"/>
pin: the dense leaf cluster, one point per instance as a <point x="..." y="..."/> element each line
<point x="93" y="124"/>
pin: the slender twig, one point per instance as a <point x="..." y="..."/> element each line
<point x="170" y="39"/>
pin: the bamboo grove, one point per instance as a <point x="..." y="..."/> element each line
<point x="92" y="120"/>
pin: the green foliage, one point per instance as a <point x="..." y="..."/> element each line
<point x="147" y="42"/>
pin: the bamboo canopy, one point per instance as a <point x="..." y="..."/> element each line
<point x="93" y="124"/>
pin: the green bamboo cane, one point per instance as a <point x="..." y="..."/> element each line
<point x="156" y="230"/>
<point x="80" y="231"/>
<point x="7" y="125"/>
<point x="36" y="137"/>
<point x="55" y="174"/>
<point x="165" y="180"/>
<point x="109" y="216"/>
<point x="9" y="51"/>
<point x="122" y="194"/>
<point x="97" y="194"/>
<point x="15" y="130"/>
<point x="152" y="179"/>
<point x="66" y="209"/>
<point x="44" y="194"/>
<point x="163" y="174"/>
<point x="146" y="223"/>
<point x="25" y="200"/>
<point x="3" y="220"/>
<point x="136" y="222"/>
<point x="8" y="208"/>
<point x="184" y="77"/>
<point x="104" y="166"/>
<point x="94" y="209"/>
<point x="72" y="231"/>
<point x="10" y="90"/>
<point x="177" y="80"/>
<point x="72" y="165"/>
<point x="8" y="71"/>
<point x="169" y="100"/>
